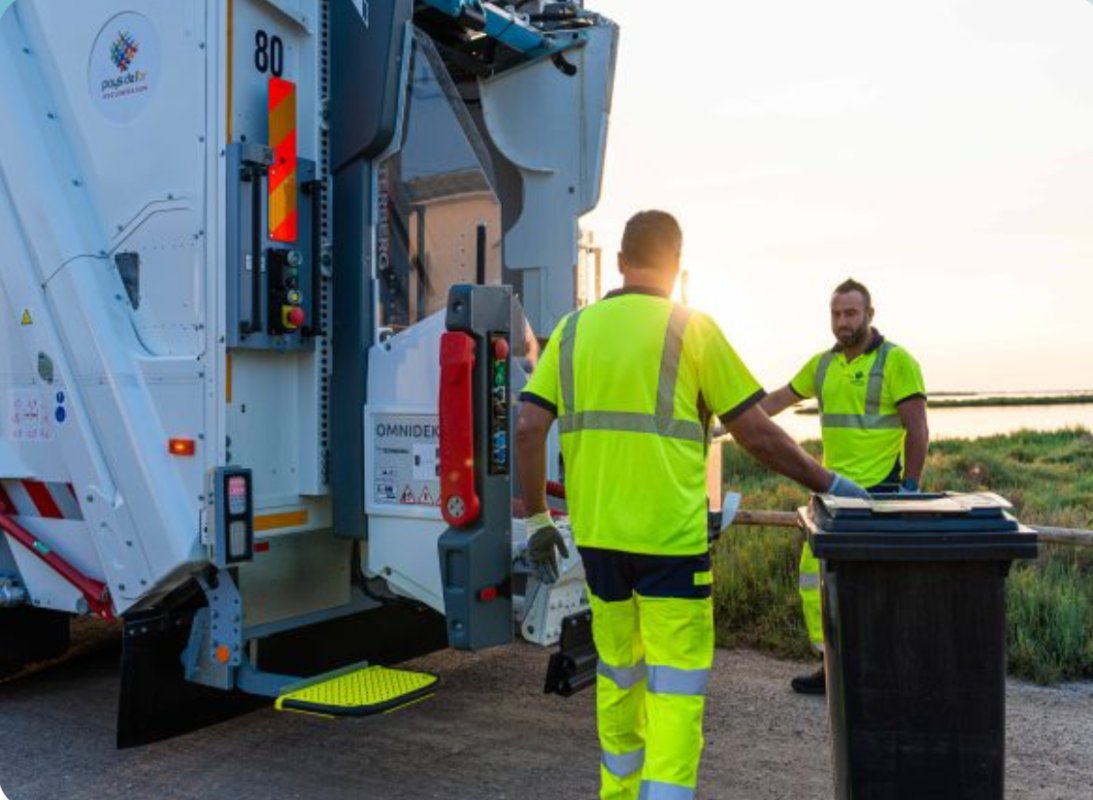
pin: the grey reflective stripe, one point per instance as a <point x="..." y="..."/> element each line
<point x="872" y="419"/>
<point x="669" y="361"/>
<point x="632" y="422"/>
<point x="624" y="764"/>
<point x="661" y="423"/>
<point x="808" y="580"/>
<point x="565" y="361"/>
<point x="655" y="790"/>
<point x="863" y="422"/>
<point x="623" y="677"/>
<point x="876" y="381"/>
<point x="672" y="680"/>
<point x="821" y="374"/>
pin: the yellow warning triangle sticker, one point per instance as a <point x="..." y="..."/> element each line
<point x="26" y="317"/>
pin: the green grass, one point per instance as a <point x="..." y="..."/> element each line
<point x="1047" y="476"/>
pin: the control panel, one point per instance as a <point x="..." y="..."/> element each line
<point x="499" y="404"/>
<point x="273" y="274"/>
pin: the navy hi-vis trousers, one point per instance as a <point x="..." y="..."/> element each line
<point x="652" y="622"/>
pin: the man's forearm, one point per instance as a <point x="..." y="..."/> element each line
<point x="912" y="413"/>
<point x="778" y="401"/>
<point x="531" y="467"/>
<point x="768" y="444"/>
<point x="914" y="451"/>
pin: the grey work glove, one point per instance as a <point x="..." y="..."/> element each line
<point x="844" y="487"/>
<point x="544" y="543"/>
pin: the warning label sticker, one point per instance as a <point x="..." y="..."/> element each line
<point x="27" y="417"/>
<point x="405" y="460"/>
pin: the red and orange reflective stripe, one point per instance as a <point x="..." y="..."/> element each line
<point x="283" y="216"/>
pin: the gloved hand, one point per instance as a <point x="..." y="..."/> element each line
<point x="909" y="486"/>
<point x="544" y="542"/>
<point x="844" y="487"/>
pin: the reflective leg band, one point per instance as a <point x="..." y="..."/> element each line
<point x="624" y="764"/>
<point x="623" y="677"/>
<point x="655" y="790"/>
<point x="671" y="680"/>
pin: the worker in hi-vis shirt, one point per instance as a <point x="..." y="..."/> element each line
<point x="634" y="382"/>
<point x="872" y="406"/>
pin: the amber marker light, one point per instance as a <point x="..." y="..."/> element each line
<point x="182" y="447"/>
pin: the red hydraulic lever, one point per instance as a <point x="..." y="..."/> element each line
<point x="95" y="593"/>
<point x="459" y="501"/>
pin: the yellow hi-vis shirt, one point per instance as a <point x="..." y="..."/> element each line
<point x="633" y="381"/>
<point x="863" y="435"/>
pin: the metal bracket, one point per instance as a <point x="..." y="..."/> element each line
<point x="546" y="606"/>
<point x="215" y="647"/>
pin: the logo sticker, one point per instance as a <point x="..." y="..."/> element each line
<point x="124" y="50"/>
<point x="124" y="67"/>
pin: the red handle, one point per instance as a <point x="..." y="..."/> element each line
<point x="459" y="501"/>
<point x="96" y="593"/>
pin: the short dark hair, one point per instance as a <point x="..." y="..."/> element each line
<point x="650" y="237"/>
<point x="851" y="285"/>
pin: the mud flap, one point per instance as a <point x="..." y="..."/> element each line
<point x="573" y="667"/>
<point x="29" y="634"/>
<point x="156" y="700"/>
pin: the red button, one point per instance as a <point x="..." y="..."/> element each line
<point x="500" y="348"/>
<point x="296" y="316"/>
<point x="488" y="595"/>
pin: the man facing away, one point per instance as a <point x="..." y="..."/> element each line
<point x="634" y="382"/>
<point x="872" y="405"/>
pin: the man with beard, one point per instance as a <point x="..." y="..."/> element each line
<point x="872" y="404"/>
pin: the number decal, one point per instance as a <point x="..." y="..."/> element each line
<point x="269" y="54"/>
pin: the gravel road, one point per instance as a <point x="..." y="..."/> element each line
<point x="489" y="734"/>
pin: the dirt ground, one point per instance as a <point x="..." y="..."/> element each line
<point x="489" y="734"/>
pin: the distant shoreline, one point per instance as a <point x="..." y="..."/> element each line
<point x="955" y="400"/>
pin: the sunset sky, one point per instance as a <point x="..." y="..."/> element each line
<point x="941" y="152"/>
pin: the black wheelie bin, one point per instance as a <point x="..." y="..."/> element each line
<point x="915" y="641"/>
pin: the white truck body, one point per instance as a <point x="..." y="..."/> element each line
<point x="128" y="373"/>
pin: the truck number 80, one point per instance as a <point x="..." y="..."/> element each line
<point x="269" y="53"/>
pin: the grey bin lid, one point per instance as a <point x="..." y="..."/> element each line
<point x="918" y="527"/>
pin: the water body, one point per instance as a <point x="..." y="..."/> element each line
<point x="970" y="423"/>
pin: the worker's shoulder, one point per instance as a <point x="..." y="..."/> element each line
<point x="637" y="307"/>
<point x="701" y="322"/>
<point x="898" y="351"/>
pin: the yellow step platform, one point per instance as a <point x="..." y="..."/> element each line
<point x="358" y="691"/>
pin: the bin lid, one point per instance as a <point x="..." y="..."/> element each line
<point x="945" y="526"/>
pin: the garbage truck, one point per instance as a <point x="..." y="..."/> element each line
<point x="272" y="272"/>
